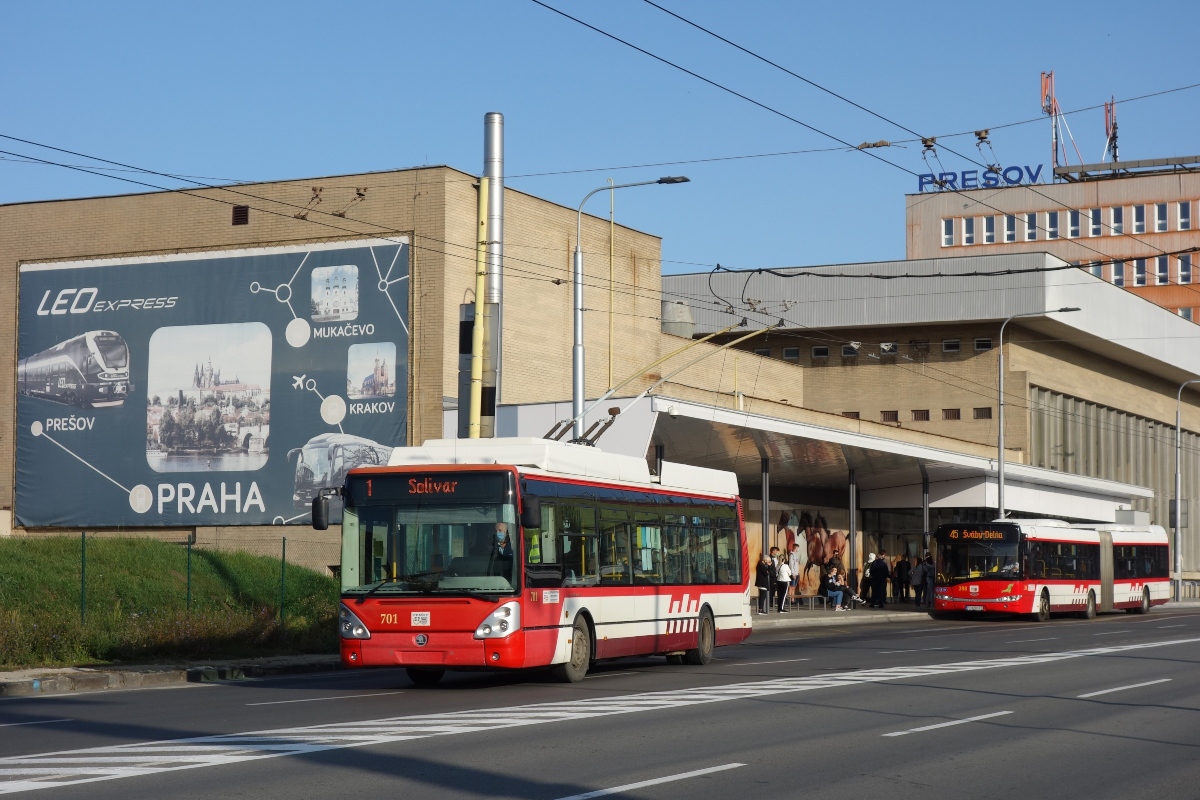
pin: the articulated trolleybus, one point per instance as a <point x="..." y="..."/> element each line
<point x="514" y="553"/>
<point x="1039" y="567"/>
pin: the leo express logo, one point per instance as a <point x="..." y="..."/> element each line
<point x="81" y="301"/>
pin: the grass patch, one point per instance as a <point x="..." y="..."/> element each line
<point x="137" y="604"/>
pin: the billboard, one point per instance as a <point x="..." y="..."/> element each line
<point x="216" y="388"/>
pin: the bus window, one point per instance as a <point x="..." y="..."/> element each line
<point x="677" y="566"/>
<point x="729" y="552"/>
<point x="577" y="527"/>
<point x="615" y="567"/>
<point x="700" y="550"/>
<point x="647" y="547"/>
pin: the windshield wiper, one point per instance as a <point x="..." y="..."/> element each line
<point x="374" y="589"/>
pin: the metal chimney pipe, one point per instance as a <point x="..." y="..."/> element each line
<point x="493" y="170"/>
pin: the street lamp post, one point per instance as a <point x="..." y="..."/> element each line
<point x="1000" y="383"/>
<point x="1178" y="489"/>
<point x="577" y="372"/>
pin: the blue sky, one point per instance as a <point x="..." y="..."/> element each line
<point x="273" y="90"/>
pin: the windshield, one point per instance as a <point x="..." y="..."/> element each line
<point x="430" y="548"/>
<point x="963" y="561"/>
<point x="311" y="466"/>
<point x="113" y="350"/>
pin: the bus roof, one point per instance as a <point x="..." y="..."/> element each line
<point x="567" y="460"/>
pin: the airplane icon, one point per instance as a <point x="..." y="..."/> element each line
<point x="298" y="381"/>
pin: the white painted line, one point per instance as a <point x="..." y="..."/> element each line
<point x="756" y="663"/>
<point x="948" y="724"/>
<point x="1110" y="633"/>
<point x="609" y="675"/>
<point x="1123" y="688"/>
<point x="1021" y="641"/>
<point x="629" y="787"/>
<point x="315" y="699"/>
<point x="1172" y="626"/>
<point x="919" y="650"/>
<point x="38" y="722"/>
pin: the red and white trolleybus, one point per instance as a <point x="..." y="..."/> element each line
<point x="514" y="553"/>
<point x="1039" y="567"/>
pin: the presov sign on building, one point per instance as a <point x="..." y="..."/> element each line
<point x="220" y="388"/>
<point x="979" y="178"/>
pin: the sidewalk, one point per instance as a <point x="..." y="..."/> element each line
<point x="801" y="617"/>
<point x="28" y="682"/>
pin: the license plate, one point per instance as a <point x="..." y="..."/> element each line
<point x="974" y="608"/>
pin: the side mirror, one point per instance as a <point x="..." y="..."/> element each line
<point x="531" y="512"/>
<point x="320" y="512"/>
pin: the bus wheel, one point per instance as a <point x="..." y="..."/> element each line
<point x="706" y="640"/>
<point x="1089" y="611"/>
<point x="1042" y="612"/>
<point x="425" y="677"/>
<point x="1144" y="608"/>
<point x="581" y="655"/>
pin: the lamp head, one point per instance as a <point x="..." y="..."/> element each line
<point x="674" y="179"/>
<point x="1065" y="310"/>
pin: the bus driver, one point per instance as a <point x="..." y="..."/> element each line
<point x="502" y="554"/>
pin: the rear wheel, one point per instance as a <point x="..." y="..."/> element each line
<point x="1144" y="608"/>
<point x="706" y="640"/>
<point x="580" y="656"/>
<point x="425" y="677"/>
<point x="1089" y="611"/>
<point x="1041" y="613"/>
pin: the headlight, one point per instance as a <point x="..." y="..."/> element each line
<point x="350" y="626"/>
<point x="502" y="622"/>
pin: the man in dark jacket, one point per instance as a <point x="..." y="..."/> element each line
<point x="764" y="580"/>
<point x="880" y="572"/>
<point x="900" y="578"/>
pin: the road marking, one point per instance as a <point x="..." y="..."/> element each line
<point x="919" y="650"/>
<point x="629" y="787"/>
<point x="1123" y="688"/>
<point x="89" y="765"/>
<point x="756" y="663"/>
<point x="1110" y="633"/>
<point x="36" y="722"/>
<point x="315" y="699"/>
<point x="1172" y="626"/>
<point x="1021" y="641"/>
<point x="948" y="724"/>
<point x="610" y="675"/>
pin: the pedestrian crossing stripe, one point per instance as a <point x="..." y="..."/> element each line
<point x="71" y="767"/>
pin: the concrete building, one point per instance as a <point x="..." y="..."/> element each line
<point x="1128" y="223"/>
<point x="913" y="346"/>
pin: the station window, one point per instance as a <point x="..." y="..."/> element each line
<point x="983" y="413"/>
<point x="983" y="344"/>
<point x="1139" y="219"/>
<point x="1096" y="221"/>
<point x="1117" y="220"/>
<point x="951" y="345"/>
<point x="968" y="230"/>
<point x="989" y="230"/>
<point x="920" y="415"/>
<point x="889" y="416"/>
<point x="791" y="354"/>
<point x="1031" y="226"/>
<point x="1185" y="268"/>
<point x="947" y="232"/>
<point x="1162" y="275"/>
<point x="1160" y="217"/>
<point x="1118" y="273"/>
<point x="849" y="351"/>
<point x="1010" y="228"/>
<point x="1097" y="269"/>
<point x="762" y="351"/>
<point x="1185" y="215"/>
<point x="850" y="414"/>
<point x="1073" y="223"/>
<point x="1139" y="272"/>
<point x="1186" y="313"/>
<point x="1052" y="225"/>
<point x="951" y="414"/>
<point x="820" y="351"/>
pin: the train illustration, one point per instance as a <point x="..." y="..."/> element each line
<point x="322" y="463"/>
<point x="90" y="370"/>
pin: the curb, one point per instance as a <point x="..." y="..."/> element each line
<point x="820" y="619"/>
<point x="91" y="680"/>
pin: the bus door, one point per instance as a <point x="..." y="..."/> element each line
<point x="1106" y="571"/>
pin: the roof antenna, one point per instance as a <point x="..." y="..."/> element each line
<point x="1110" y="130"/>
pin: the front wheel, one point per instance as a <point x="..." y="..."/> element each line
<point x="1042" y="612"/>
<point x="706" y="635"/>
<point x="581" y="655"/>
<point x="425" y="677"/>
<point x="1089" y="611"/>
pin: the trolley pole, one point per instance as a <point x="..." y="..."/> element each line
<point x="83" y="578"/>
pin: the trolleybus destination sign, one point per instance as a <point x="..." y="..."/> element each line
<point x="217" y="388"/>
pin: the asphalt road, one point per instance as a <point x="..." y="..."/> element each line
<point x="968" y="709"/>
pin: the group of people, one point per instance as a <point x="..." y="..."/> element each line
<point x="776" y="575"/>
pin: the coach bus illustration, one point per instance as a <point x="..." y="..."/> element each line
<point x="90" y="370"/>
<point x="322" y="463"/>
